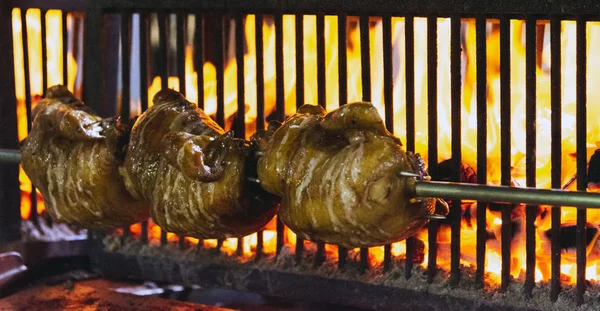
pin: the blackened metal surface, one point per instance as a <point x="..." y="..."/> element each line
<point x="181" y="22"/>
<point x="162" y="61"/>
<point x="299" y="249"/>
<point x="260" y="74"/>
<point x="65" y="47"/>
<point x="220" y="68"/>
<point x="505" y="144"/>
<point x="279" y="82"/>
<point x="432" y="132"/>
<point x="556" y="147"/>
<point x="93" y="75"/>
<point x="456" y="81"/>
<point x="530" y="155"/>
<point x="342" y="59"/>
<point x="299" y="29"/>
<point x="342" y="257"/>
<point x="280" y="235"/>
<point x="281" y="284"/>
<point x="321" y="64"/>
<point x="319" y="255"/>
<point x="199" y="57"/>
<point x="144" y="232"/>
<point x="240" y="128"/>
<point x="481" y="52"/>
<point x="409" y="38"/>
<point x="259" y="244"/>
<point x="43" y="31"/>
<point x="581" y="128"/>
<point x="10" y="196"/>
<point x="364" y="259"/>
<point x="388" y="83"/>
<point x="144" y="64"/>
<point x="365" y="57"/>
<point x="470" y="7"/>
<point x="387" y="257"/>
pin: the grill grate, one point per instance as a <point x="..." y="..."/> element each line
<point x="217" y="12"/>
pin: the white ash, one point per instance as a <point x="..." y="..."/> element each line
<point x="56" y="232"/>
<point x="466" y="289"/>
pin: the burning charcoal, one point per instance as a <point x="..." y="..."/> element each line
<point x="419" y="251"/>
<point x="568" y="235"/>
<point x="446" y="170"/>
<point x="594" y="172"/>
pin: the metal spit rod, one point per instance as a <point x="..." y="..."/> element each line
<point x="449" y="190"/>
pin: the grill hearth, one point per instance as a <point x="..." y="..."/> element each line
<point x="485" y="99"/>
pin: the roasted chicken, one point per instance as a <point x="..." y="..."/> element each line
<point x="337" y="175"/>
<point x="72" y="156"/>
<point x="193" y="173"/>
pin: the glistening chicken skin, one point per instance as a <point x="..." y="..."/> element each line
<point x="72" y="156"/>
<point x="192" y="173"/>
<point x="337" y="175"/>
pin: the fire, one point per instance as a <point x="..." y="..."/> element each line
<point x="355" y="92"/>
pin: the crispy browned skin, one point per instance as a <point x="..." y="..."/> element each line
<point x="71" y="155"/>
<point x="337" y="176"/>
<point x="193" y="173"/>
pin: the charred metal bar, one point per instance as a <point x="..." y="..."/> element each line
<point x="455" y="209"/>
<point x="125" y="62"/>
<point x="260" y="76"/>
<point x="144" y="64"/>
<point x="505" y="143"/>
<point x="364" y="259"/>
<point x="144" y="232"/>
<point x="279" y="82"/>
<point x="299" y="64"/>
<point x="44" y="53"/>
<point x="530" y="156"/>
<point x="280" y="236"/>
<point x="299" y="249"/>
<point x="162" y="61"/>
<point x="321" y="64"/>
<point x="93" y="75"/>
<point x="259" y="245"/>
<point x="241" y="87"/>
<point x="432" y="64"/>
<point x="219" y="246"/>
<point x="181" y="241"/>
<point x="342" y="60"/>
<point x="581" y="135"/>
<point x="33" y="195"/>
<point x="409" y="37"/>
<point x="481" y="51"/>
<point x="181" y="52"/>
<point x="65" y="46"/>
<point x="163" y="237"/>
<point x="319" y="255"/>
<point x="239" y="250"/>
<point x="387" y="257"/>
<point x="365" y="57"/>
<point x="342" y="257"/>
<point x="199" y="58"/>
<point x="220" y="69"/>
<point x="556" y="156"/>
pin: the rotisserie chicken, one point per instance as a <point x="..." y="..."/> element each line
<point x="192" y="173"/>
<point x="337" y="174"/>
<point x="72" y="156"/>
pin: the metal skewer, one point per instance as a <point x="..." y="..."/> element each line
<point x="10" y="156"/>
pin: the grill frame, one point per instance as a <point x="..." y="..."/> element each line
<point x="532" y="12"/>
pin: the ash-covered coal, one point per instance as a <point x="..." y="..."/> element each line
<point x="50" y="233"/>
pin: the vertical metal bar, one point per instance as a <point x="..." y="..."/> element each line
<point x="279" y="83"/>
<point x="10" y="214"/>
<point x="239" y="250"/>
<point x="280" y="236"/>
<point x="162" y="61"/>
<point x="260" y="74"/>
<point x="364" y="259"/>
<point x="365" y="56"/>
<point x="241" y="87"/>
<point x="65" y="47"/>
<point x="259" y="245"/>
<point x="581" y="127"/>
<point x="530" y="142"/>
<point x="456" y="95"/>
<point x="44" y="53"/>
<point x="505" y="143"/>
<point x="556" y="155"/>
<point x="432" y="64"/>
<point x="321" y="64"/>
<point x="144" y="66"/>
<point x="181" y="52"/>
<point x="181" y="243"/>
<point x="220" y="68"/>
<point x="199" y="57"/>
<point x="342" y="257"/>
<point x="386" y="23"/>
<point x="481" y="51"/>
<point x="163" y="238"/>
<point x="125" y="61"/>
<point x="342" y="59"/>
<point x="320" y="255"/>
<point x="299" y="70"/>
<point x="299" y="249"/>
<point x="92" y="59"/>
<point x="409" y="38"/>
<point x="33" y="196"/>
<point x="144" y="232"/>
